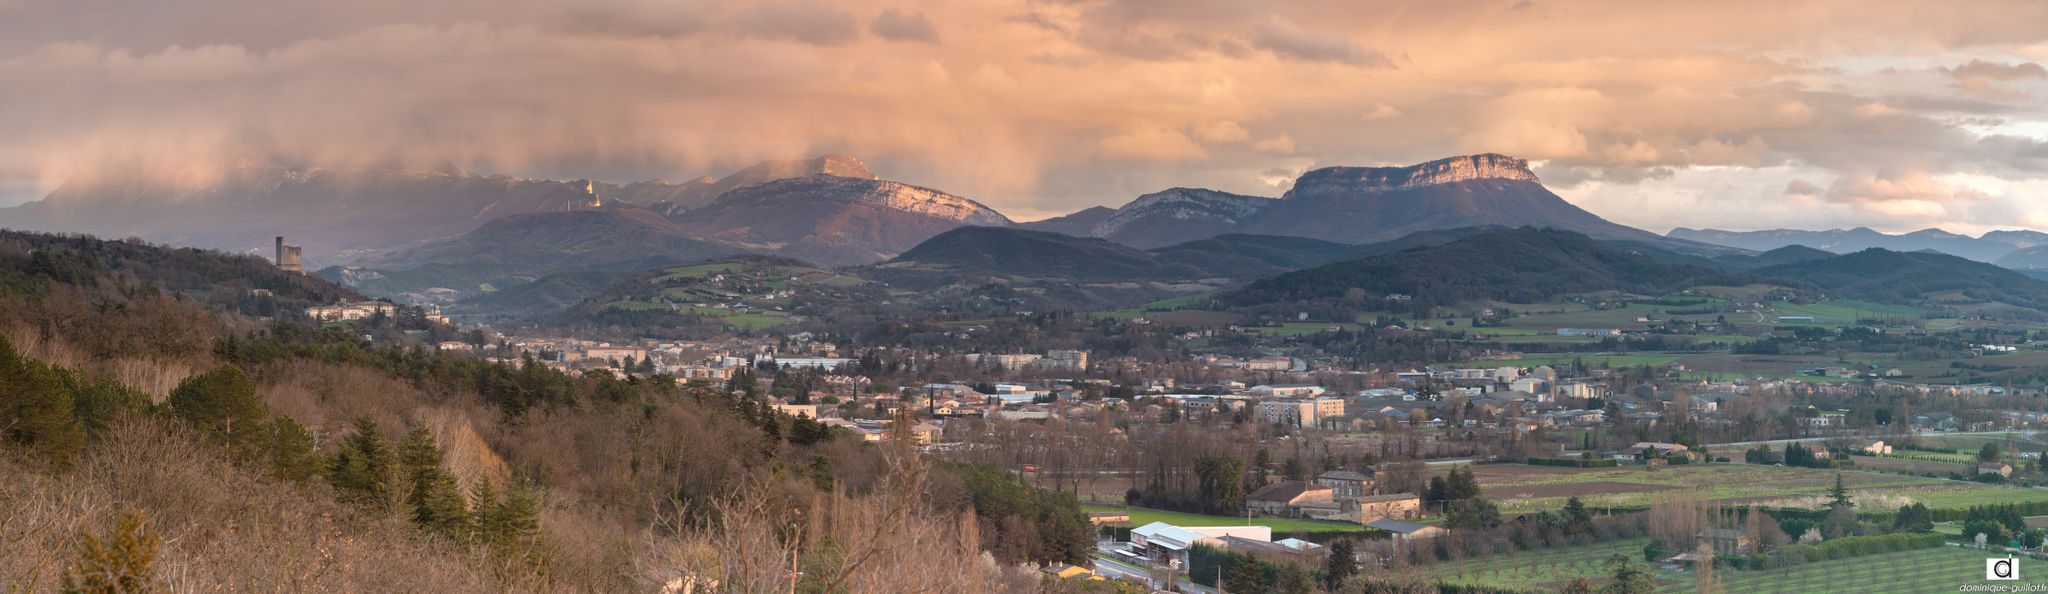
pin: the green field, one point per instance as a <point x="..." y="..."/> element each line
<point x="1538" y="570"/>
<point x="1167" y="304"/>
<point x="1842" y="311"/>
<point x="1521" y="488"/>
<point x="1281" y="526"/>
<point x="1942" y="569"/>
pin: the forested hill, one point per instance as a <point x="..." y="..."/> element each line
<point x="1019" y="252"/>
<point x="29" y="262"/>
<point x="1523" y="265"/>
<point x="290" y="456"/>
<point x="1887" y="276"/>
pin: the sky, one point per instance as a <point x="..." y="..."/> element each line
<point x="1735" y="114"/>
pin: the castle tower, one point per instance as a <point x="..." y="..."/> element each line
<point x="288" y="257"/>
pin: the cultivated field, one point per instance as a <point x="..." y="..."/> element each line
<point x="1541" y="570"/>
<point x="1928" y="570"/>
<point x="1522" y="488"/>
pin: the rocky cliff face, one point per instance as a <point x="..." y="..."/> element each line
<point x="835" y="220"/>
<point x="1388" y="179"/>
<point x="1178" y="215"/>
<point x="670" y="199"/>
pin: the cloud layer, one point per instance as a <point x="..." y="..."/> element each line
<point x="1653" y="114"/>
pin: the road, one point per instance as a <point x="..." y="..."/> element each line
<point x="1113" y="568"/>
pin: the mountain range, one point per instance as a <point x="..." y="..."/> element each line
<point x="1359" y="205"/>
<point x="412" y="231"/>
<point x="1993" y="246"/>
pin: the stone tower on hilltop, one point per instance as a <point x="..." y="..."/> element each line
<point x="288" y="257"/>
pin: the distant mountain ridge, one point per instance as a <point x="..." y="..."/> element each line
<point x="835" y="220"/>
<point x="1178" y="215"/>
<point x="1361" y="205"/>
<point x="1888" y="276"/>
<point x="1989" y="247"/>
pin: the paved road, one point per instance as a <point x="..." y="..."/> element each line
<point x="1117" y="569"/>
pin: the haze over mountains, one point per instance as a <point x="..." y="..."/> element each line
<point x="1360" y="205"/>
<point x="452" y="236"/>
<point x="1993" y="246"/>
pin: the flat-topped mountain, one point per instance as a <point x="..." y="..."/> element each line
<point x="1371" y="204"/>
<point x="1352" y="180"/>
<point x="1361" y="205"/>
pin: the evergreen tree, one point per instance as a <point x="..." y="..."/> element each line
<point x="1435" y="495"/>
<point x="291" y="451"/>
<point x="1576" y="519"/>
<point x="1461" y="485"/>
<point x="97" y="403"/>
<point x="1294" y="580"/>
<point x="36" y="409"/>
<point x="514" y="524"/>
<point x="1471" y="513"/>
<point x="431" y="493"/>
<point x="119" y="564"/>
<point x="1245" y="576"/>
<point x="1627" y="577"/>
<point x="1341" y="564"/>
<point x="742" y="382"/>
<point x="365" y="470"/>
<point x="222" y="403"/>
<point x="1838" y="496"/>
<point x="483" y="503"/>
<point x="1914" y="518"/>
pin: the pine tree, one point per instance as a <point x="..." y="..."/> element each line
<point x="1628" y="577"/>
<point x="1294" y="580"/>
<point x="1576" y="519"/>
<point x="365" y="470"/>
<point x="291" y="451"/>
<point x="435" y="499"/>
<point x="1461" y="485"/>
<point x="120" y="564"/>
<point x="222" y="403"/>
<point x="483" y="506"/>
<point x="97" y="403"/>
<point x="36" y="409"/>
<point x="1838" y="496"/>
<point x="515" y="525"/>
<point x="1244" y="576"/>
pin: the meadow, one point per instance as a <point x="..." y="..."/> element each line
<point x="1521" y="488"/>
<point x="1942" y="569"/>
